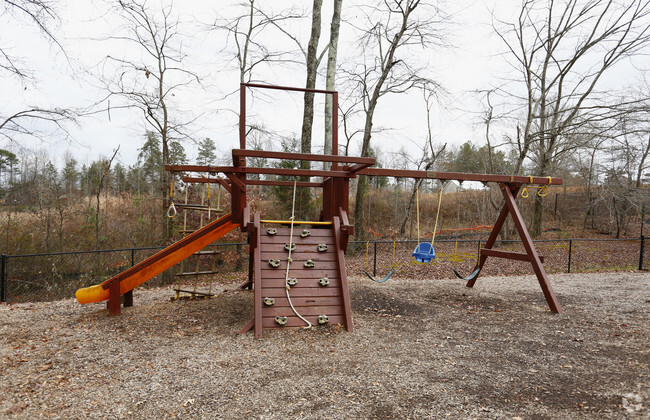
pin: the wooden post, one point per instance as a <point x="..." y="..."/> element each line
<point x="128" y="299"/>
<point x="113" y="303"/>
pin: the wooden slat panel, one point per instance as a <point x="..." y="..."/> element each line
<point x="302" y="282"/>
<point x="284" y="232"/>
<point x="277" y="292"/>
<point x="295" y="322"/>
<point x="309" y="301"/>
<point x="320" y="265"/>
<point x="312" y="273"/>
<point x="304" y="311"/>
<point x="284" y="239"/>
<point x="298" y="256"/>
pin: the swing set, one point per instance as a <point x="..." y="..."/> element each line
<point x="424" y="252"/>
<point x="319" y="260"/>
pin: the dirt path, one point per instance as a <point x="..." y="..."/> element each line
<point x="425" y="349"/>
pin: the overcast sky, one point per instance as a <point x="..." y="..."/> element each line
<point x="472" y="63"/>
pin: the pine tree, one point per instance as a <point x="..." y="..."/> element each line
<point x="207" y="155"/>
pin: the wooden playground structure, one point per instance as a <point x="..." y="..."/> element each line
<point x="297" y="268"/>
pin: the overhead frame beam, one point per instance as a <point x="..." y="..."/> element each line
<point x="460" y="176"/>
<point x="302" y="156"/>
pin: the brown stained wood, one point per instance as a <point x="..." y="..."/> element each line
<point x="306" y="274"/>
<point x="538" y="267"/>
<point x="305" y="242"/>
<point x="302" y="282"/>
<point x="303" y="156"/>
<point x="494" y="234"/>
<point x="114" y="304"/>
<point x="320" y="265"/>
<point x="314" y="292"/>
<point x="304" y="311"/>
<point x="298" y="257"/>
<point x="459" y="176"/>
<point x="295" y="322"/>
<point x="308" y="301"/>
<point x="283" y="232"/>
<point x="345" y="292"/>
<point x="247" y="327"/>
<point x="257" y="284"/>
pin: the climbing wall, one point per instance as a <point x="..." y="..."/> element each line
<point x="320" y="292"/>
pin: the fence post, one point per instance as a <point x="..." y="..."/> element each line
<point x="641" y="252"/>
<point x="3" y="278"/>
<point x="132" y="257"/>
<point x="568" y="270"/>
<point x="374" y="264"/>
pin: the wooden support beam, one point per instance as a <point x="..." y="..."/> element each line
<point x="256" y="241"/>
<point x="113" y="304"/>
<point x="343" y="276"/>
<point x="460" y="176"/>
<point x="540" y="272"/>
<point x="367" y="161"/>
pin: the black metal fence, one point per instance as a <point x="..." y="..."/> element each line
<point x="44" y="277"/>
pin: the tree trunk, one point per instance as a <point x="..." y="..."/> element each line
<point x="330" y="83"/>
<point x="303" y="195"/>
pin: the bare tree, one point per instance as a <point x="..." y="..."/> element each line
<point x="393" y="28"/>
<point x="150" y="81"/>
<point x="426" y="159"/>
<point x="562" y="50"/>
<point x="330" y="78"/>
<point x="247" y="31"/>
<point x="42" y="14"/>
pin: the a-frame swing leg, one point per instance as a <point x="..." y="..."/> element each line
<point x="498" y="225"/>
<point x="540" y="272"/>
<point x="510" y="207"/>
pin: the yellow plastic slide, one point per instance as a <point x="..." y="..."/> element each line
<point x="159" y="262"/>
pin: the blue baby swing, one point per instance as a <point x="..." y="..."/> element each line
<point x="424" y="251"/>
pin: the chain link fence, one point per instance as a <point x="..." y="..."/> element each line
<point x="46" y="277"/>
<point x="53" y="276"/>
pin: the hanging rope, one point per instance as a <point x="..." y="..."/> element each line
<point x="209" y="201"/>
<point x="286" y="277"/>
<point x="171" y="211"/>
<point x="417" y="208"/>
<point x="435" y="227"/>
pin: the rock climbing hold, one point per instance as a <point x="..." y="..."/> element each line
<point x="269" y="301"/>
<point x="271" y="231"/>
<point x="292" y="281"/>
<point x="324" y="282"/>
<point x="323" y="319"/>
<point x="274" y="263"/>
<point x="281" y="320"/>
<point x="291" y="247"/>
<point x="305" y="233"/>
<point x="310" y="263"/>
<point x="322" y="247"/>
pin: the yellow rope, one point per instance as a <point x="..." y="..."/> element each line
<point x="417" y="208"/>
<point x="435" y="227"/>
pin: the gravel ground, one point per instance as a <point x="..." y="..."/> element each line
<point x="421" y="349"/>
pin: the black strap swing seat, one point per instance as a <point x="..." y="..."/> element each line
<point x="472" y="276"/>
<point x="382" y="280"/>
